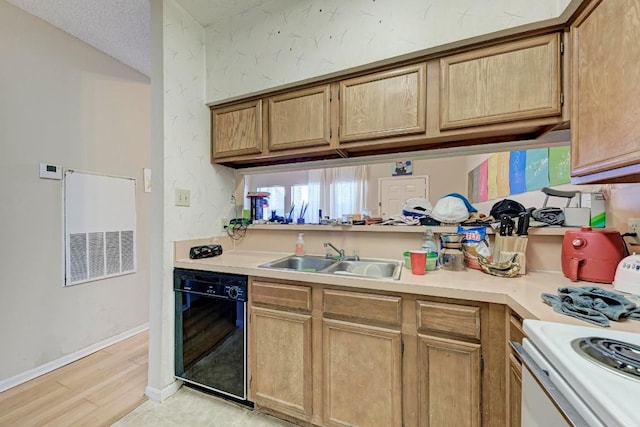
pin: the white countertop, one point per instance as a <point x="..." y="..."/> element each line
<point x="521" y="294"/>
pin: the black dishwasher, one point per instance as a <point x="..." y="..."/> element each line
<point x="210" y="334"/>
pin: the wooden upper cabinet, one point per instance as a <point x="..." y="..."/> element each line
<point x="236" y="130"/>
<point x="300" y="118"/>
<point x="605" y="130"/>
<point x="508" y="82"/>
<point x="384" y="104"/>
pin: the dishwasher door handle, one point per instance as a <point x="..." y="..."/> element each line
<point x="542" y="378"/>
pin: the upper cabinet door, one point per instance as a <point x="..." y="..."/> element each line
<point x="237" y="130"/>
<point x="384" y="104"/>
<point x="605" y="131"/>
<point x="300" y="119"/>
<point x="503" y="83"/>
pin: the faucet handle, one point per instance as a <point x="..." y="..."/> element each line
<point x="327" y="252"/>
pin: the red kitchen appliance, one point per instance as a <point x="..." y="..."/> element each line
<point x="592" y="255"/>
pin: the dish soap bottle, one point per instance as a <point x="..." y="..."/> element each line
<point x="300" y="245"/>
<point x="429" y="244"/>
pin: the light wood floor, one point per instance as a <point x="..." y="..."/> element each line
<point x="96" y="390"/>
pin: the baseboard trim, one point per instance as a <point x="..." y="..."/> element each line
<point x="159" y="395"/>
<point x="69" y="358"/>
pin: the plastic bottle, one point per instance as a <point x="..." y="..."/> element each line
<point x="429" y="244"/>
<point x="300" y="245"/>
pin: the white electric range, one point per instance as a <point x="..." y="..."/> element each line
<point x="572" y="388"/>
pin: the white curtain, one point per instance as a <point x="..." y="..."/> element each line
<point x="341" y="190"/>
<point x="335" y="191"/>
<point x="316" y="196"/>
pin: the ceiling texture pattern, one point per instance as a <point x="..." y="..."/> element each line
<point x="121" y="28"/>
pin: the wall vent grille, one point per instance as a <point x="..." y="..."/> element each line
<point x="98" y="255"/>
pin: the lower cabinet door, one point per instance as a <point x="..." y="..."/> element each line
<point x="515" y="391"/>
<point x="280" y="355"/>
<point x="449" y="382"/>
<point x="362" y="375"/>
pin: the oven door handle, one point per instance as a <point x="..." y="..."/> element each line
<point x="542" y="378"/>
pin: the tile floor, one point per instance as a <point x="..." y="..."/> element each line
<point x="192" y="408"/>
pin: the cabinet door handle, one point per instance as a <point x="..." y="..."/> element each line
<point x="542" y="378"/>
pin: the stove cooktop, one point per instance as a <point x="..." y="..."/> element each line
<point x="618" y="356"/>
<point x="605" y="391"/>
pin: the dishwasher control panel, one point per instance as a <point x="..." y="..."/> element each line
<point x="220" y="285"/>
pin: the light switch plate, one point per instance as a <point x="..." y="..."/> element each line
<point x="146" y="175"/>
<point x="183" y="197"/>
<point x="634" y="227"/>
<point x="48" y="171"/>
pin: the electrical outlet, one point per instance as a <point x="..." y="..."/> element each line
<point x="223" y="223"/>
<point x="634" y="227"/>
<point x="183" y="197"/>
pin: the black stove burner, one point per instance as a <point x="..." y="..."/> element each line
<point x="621" y="357"/>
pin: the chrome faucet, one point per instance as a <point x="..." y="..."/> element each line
<point x="339" y="251"/>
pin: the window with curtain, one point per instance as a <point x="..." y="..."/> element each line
<point x="339" y="190"/>
<point x="346" y="190"/>
<point x="300" y="199"/>
<point x="335" y="191"/>
<point x="276" y="201"/>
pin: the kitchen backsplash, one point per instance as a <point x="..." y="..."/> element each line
<point x="543" y="251"/>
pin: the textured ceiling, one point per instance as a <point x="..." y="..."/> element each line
<point x="120" y="28"/>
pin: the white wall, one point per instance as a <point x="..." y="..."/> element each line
<point x="446" y="176"/>
<point x="187" y="140"/>
<point x="63" y="102"/>
<point x="182" y="146"/>
<point x="268" y="46"/>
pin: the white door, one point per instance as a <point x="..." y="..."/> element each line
<point x="394" y="191"/>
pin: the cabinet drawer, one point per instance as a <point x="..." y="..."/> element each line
<point x="516" y="333"/>
<point x="463" y="320"/>
<point x="281" y="295"/>
<point x="361" y="306"/>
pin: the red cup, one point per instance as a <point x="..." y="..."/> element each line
<point x="418" y="262"/>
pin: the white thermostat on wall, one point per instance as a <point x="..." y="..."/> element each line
<point x="48" y="171"/>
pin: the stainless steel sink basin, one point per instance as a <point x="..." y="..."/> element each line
<point x="371" y="268"/>
<point x="301" y="263"/>
<point x="368" y="268"/>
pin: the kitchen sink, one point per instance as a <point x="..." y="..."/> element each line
<point x="367" y="268"/>
<point x="371" y="268"/>
<point x="301" y="263"/>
